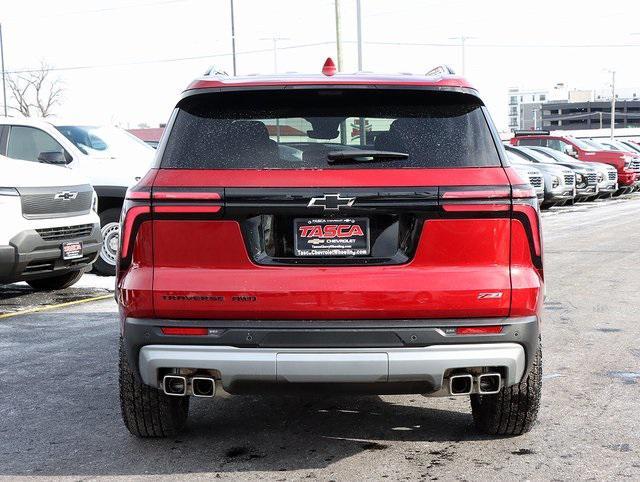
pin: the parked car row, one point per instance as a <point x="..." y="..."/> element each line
<point x="577" y="169"/>
<point x="626" y="162"/>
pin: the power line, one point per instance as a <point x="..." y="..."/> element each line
<point x="159" y="61"/>
<point x="104" y="9"/>
<point x="493" y="45"/>
<point x="313" y="44"/>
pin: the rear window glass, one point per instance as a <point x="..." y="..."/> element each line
<point x="298" y="129"/>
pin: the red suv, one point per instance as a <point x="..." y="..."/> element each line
<point x="626" y="163"/>
<point x="353" y="233"/>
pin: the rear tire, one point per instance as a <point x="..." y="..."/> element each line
<point x="146" y="411"/>
<point x="58" y="282"/>
<point x="105" y="264"/>
<point x="514" y="409"/>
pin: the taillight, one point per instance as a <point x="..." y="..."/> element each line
<point x="519" y="202"/>
<point x="188" y="203"/>
<point x="525" y="208"/>
<point x="135" y="210"/>
<point x="461" y="199"/>
<point x="144" y="202"/>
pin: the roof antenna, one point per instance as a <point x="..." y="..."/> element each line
<point x="329" y="68"/>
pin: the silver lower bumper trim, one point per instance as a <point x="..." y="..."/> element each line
<point x="353" y="365"/>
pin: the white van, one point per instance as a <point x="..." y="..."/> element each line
<point x="49" y="226"/>
<point x="109" y="157"/>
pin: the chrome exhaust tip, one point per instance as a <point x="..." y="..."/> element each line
<point x="460" y="384"/>
<point x="489" y="383"/>
<point x="174" y="385"/>
<point x="203" y="387"/>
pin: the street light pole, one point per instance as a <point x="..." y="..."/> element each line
<point x="233" y="39"/>
<point x="613" y="102"/>
<point x="338" y="42"/>
<point x="4" y="86"/>
<point x="359" y="22"/>
<point x="275" y="41"/>
<point x="463" y="40"/>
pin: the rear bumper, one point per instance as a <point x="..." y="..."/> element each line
<point x="412" y="356"/>
<point x="426" y="367"/>
<point x="30" y="257"/>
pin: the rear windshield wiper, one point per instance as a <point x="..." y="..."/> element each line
<point x="336" y="157"/>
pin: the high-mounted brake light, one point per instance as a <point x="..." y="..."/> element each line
<point x="329" y="68"/>
<point x="479" y="330"/>
<point x="184" y="331"/>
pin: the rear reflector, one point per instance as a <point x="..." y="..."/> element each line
<point x="184" y="331"/>
<point x="478" y="330"/>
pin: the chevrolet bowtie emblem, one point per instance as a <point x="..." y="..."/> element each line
<point x="66" y="195"/>
<point x="331" y="202"/>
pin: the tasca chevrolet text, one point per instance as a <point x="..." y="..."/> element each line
<point x="341" y="233"/>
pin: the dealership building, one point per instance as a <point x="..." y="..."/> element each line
<point x="563" y="109"/>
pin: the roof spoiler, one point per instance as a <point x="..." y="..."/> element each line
<point x="530" y="132"/>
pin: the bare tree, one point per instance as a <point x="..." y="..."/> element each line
<point x="35" y="93"/>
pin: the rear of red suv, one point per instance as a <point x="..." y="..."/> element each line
<point x="358" y="234"/>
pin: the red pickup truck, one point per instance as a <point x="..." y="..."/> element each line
<point x="626" y="163"/>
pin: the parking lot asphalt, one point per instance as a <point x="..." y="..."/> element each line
<point x="60" y="411"/>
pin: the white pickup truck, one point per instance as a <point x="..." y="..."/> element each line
<point x="49" y="229"/>
<point x="109" y="157"/>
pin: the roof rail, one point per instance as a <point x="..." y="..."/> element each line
<point x="440" y="70"/>
<point x="530" y="132"/>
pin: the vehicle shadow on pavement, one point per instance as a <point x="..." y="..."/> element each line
<point x="18" y="297"/>
<point x="61" y="416"/>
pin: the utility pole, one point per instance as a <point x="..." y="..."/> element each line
<point x="600" y="114"/>
<point x="4" y="86"/>
<point x="233" y="39"/>
<point x="359" y="17"/>
<point x="613" y="102"/>
<point x="535" y="119"/>
<point x="463" y="40"/>
<point x="362" y="124"/>
<point x="275" y="40"/>
<point x="343" y="124"/>
<point x="338" y="43"/>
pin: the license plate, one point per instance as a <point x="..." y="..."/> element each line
<point x="72" y="250"/>
<point x="331" y="237"/>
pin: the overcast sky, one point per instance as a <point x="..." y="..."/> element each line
<point x="126" y="61"/>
